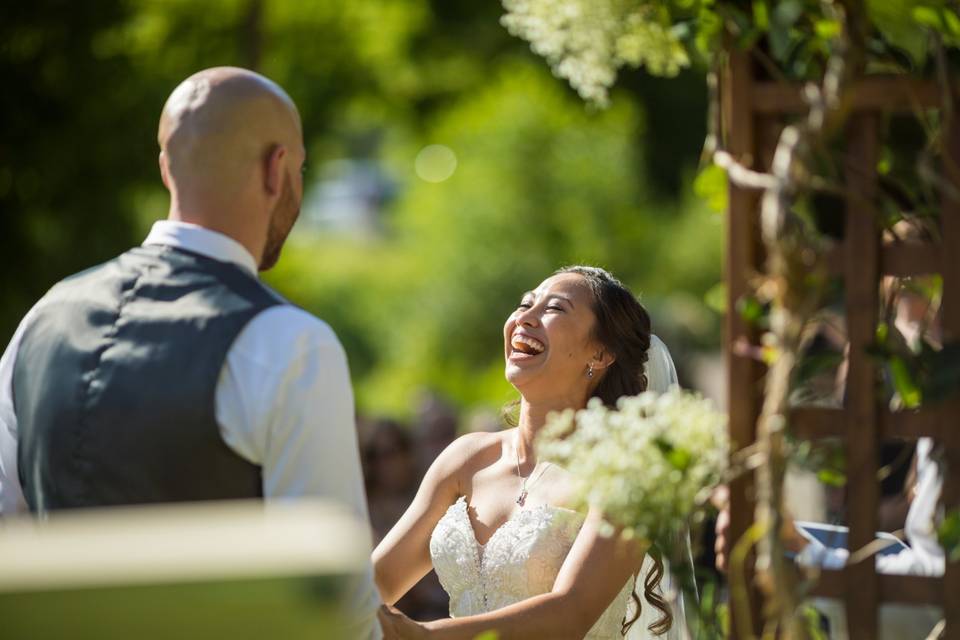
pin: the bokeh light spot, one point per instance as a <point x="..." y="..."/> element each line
<point x="435" y="163"/>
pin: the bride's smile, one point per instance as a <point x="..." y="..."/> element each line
<point x="549" y="343"/>
<point x="525" y="346"/>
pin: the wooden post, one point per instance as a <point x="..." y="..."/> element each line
<point x="753" y="111"/>
<point x="743" y="259"/>
<point x="862" y="277"/>
<point x="950" y="416"/>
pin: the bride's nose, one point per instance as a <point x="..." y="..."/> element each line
<point x="527" y="318"/>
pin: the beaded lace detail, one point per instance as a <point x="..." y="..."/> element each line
<point x="520" y="560"/>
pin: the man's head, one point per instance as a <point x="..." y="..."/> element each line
<point x="231" y="154"/>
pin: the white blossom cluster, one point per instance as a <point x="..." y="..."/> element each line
<point x="587" y="41"/>
<point x="650" y="464"/>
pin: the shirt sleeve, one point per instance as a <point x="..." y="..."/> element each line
<point x="285" y="402"/>
<point x="11" y="493"/>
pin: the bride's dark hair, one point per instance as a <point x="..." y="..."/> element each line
<point x="623" y="328"/>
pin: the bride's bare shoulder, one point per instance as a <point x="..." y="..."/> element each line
<point x="474" y="447"/>
<point x="473" y="451"/>
<point x="462" y="458"/>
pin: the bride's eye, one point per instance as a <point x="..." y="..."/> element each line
<point x="554" y="307"/>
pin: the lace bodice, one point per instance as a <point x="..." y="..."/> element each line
<point x="520" y="560"/>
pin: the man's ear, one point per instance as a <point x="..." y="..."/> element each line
<point x="164" y="169"/>
<point x="273" y="170"/>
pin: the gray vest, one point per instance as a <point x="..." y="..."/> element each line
<point x="115" y="381"/>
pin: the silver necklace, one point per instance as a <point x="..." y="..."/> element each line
<point x="522" y="498"/>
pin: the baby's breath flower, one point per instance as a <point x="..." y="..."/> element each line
<point x="648" y="464"/>
<point x="587" y="41"/>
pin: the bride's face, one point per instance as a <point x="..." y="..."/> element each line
<point x="548" y="341"/>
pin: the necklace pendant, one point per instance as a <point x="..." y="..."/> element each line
<point x="522" y="498"/>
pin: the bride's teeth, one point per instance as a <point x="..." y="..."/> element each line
<point x="533" y="343"/>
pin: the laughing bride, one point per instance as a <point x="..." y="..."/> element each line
<point x="490" y="518"/>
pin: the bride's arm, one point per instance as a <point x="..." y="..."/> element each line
<point x="591" y="577"/>
<point x="403" y="556"/>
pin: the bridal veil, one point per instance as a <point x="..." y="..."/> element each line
<point x="661" y="375"/>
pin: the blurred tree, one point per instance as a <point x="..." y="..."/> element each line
<point x="540" y="181"/>
<point x="64" y="174"/>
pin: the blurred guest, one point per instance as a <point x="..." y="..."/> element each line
<point x="435" y="428"/>
<point x="391" y="473"/>
<point x="390" y="468"/>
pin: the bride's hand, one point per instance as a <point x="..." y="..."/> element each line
<point x="397" y="626"/>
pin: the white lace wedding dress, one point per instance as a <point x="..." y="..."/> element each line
<point x="523" y="557"/>
<point x="520" y="560"/>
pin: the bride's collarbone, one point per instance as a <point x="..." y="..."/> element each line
<point x="492" y="500"/>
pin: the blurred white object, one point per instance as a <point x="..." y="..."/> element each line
<point x="200" y="570"/>
<point x="923" y="557"/>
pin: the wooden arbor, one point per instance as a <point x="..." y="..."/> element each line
<point x="754" y="111"/>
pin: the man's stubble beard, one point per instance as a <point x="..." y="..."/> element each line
<point x="282" y="219"/>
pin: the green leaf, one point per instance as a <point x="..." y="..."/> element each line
<point x="894" y="20"/>
<point x="885" y="161"/>
<point x="930" y="287"/>
<point x="928" y="17"/>
<point x="904" y="383"/>
<point x="678" y="457"/>
<point x="952" y="21"/>
<point x="761" y="18"/>
<point x="832" y="477"/>
<point x="716" y="297"/>
<point x="883" y="332"/>
<point x="487" y="635"/>
<point x="709" y="26"/>
<point x="941" y="19"/>
<point x="948" y="534"/>
<point x="827" y="29"/>
<point x="814" y="628"/>
<point x="750" y="310"/>
<point x="723" y="616"/>
<point x="711" y="185"/>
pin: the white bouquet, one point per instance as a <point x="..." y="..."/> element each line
<point x="650" y="465"/>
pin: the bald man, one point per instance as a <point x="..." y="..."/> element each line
<point x="171" y="373"/>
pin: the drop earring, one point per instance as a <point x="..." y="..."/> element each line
<point x="590" y="371"/>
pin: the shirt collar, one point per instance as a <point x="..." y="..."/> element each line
<point x="206" y="242"/>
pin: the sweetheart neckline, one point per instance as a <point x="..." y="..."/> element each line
<point x="520" y="563"/>
<point x="513" y="516"/>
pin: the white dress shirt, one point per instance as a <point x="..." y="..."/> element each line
<point x="283" y="402"/>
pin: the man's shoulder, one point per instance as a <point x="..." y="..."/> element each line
<point x="79" y="279"/>
<point x="284" y="333"/>
<point x="297" y="322"/>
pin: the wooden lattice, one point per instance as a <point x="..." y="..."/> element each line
<point x="754" y="111"/>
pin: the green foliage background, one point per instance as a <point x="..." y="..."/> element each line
<point x="542" y="180"/>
